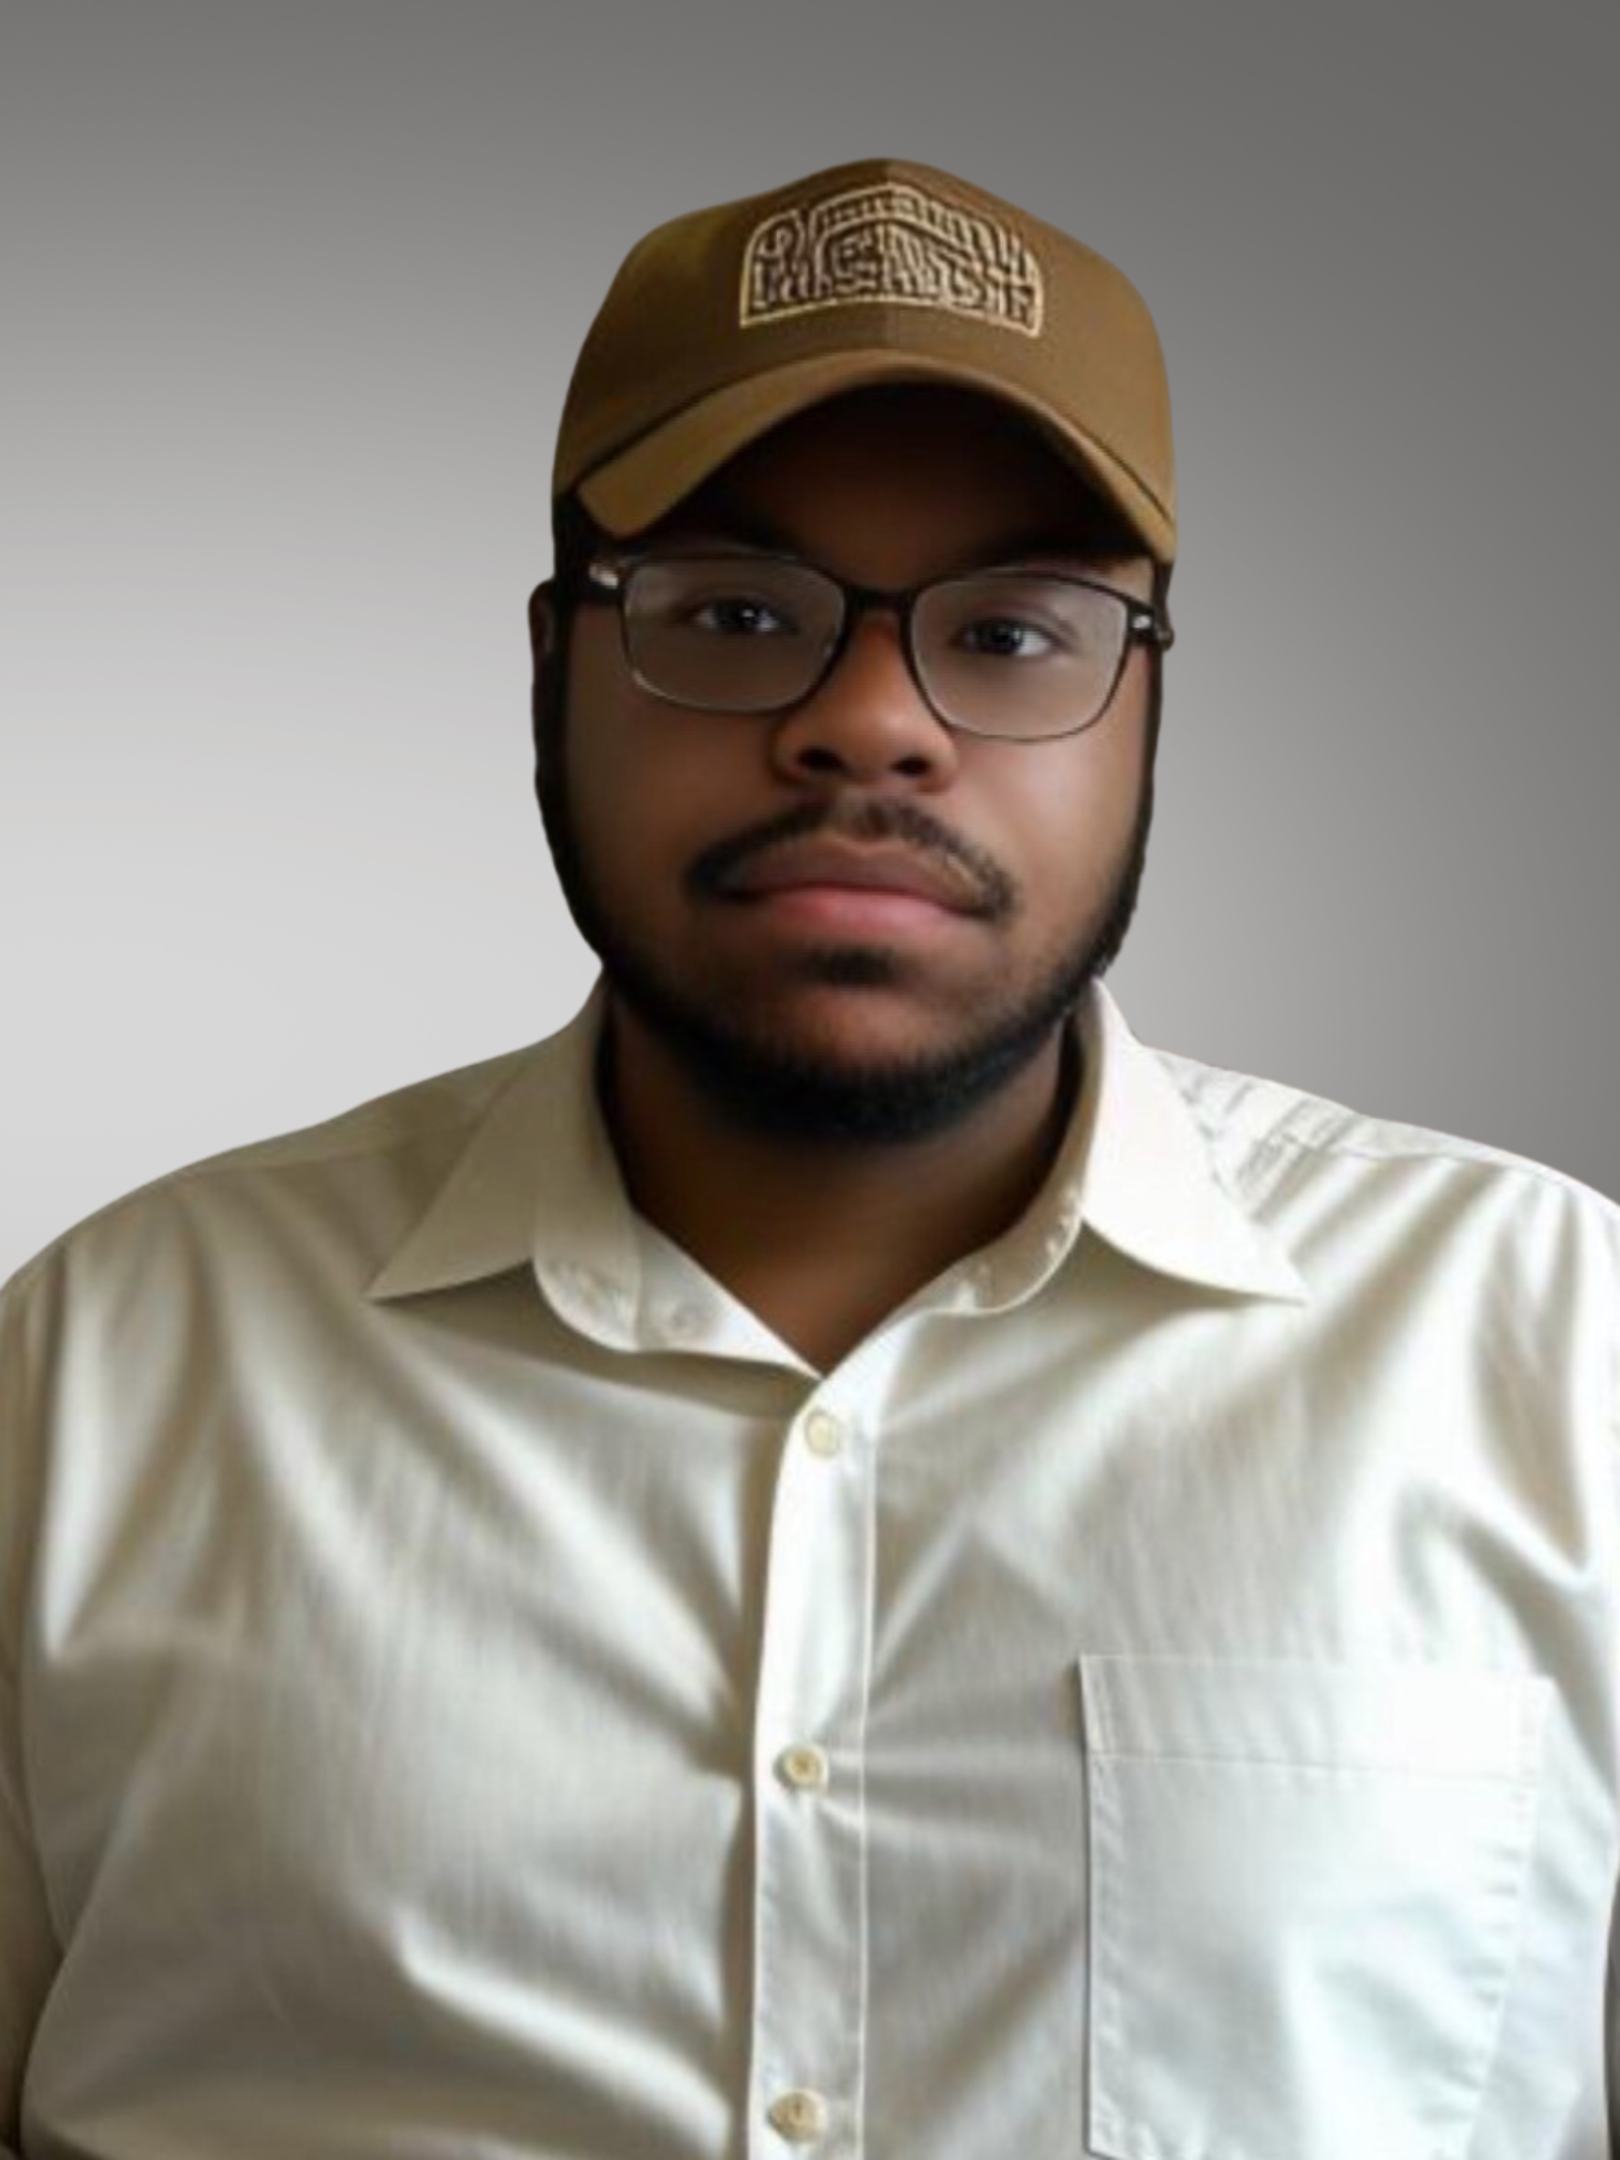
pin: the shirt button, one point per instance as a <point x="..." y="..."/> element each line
<point x="684" y="1321"/>
<point x="823" y="1433"/>
<point x="800" y="2116"/>
<point x="802" y="1767"/>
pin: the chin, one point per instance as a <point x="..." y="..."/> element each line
<point x="847" y="1068"/>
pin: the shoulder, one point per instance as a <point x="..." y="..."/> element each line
<point x="365" y="1169"/>
<point x="1261" y="1127"/>
<point x="1329" y="1172"/>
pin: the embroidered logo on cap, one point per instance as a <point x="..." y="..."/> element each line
<point x="896" y="243"/>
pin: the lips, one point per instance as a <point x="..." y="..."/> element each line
<point x="795" y="865"/>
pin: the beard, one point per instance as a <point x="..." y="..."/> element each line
<point x="776" y="1090"/>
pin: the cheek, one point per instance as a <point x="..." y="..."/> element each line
<point x="604" y="753"/>
<point x="640" y="792"/>
<point x="1067" y="817"/>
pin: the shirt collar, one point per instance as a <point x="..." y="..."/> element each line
<point x="1138" y="1170"/>
<point x="538" y="1184"/>
<point x="538" y="1177"/>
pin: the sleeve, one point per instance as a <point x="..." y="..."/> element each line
<point x="28" y="1948"/>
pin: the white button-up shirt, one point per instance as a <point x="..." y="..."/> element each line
<point x="468" y="1690"/>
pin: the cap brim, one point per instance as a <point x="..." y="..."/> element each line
<point x="644" y="482"/>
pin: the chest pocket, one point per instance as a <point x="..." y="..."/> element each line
<point x="1305" y="1890"/>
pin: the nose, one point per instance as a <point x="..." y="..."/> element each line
<point x="868" y="722"/>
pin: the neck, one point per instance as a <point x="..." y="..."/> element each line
<point x="822" y="1242"/>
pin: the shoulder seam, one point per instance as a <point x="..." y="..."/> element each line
<point x="226" y="1160"/>
<point x="1416" y="1143"/>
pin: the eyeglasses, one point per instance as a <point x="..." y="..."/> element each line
<point x="1023" y="655"/>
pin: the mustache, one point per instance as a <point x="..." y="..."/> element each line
<point x="871" y="823"/>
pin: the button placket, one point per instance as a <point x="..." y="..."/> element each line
<point x="810" y="1892"/>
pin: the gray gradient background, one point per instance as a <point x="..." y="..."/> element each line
<point x="290" y="298"/>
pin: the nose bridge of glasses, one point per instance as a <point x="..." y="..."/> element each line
<point x="874" y="617"/>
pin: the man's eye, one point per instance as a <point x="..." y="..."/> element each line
<point x="1004" y="637"/>
<point x="739" y="617"/>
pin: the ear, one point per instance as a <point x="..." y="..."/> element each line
<point x="542" y="624"/>
<point x="545" y="640"/>
<point x="546" y="696"/>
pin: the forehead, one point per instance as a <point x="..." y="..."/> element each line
<point x="916" y="467"/>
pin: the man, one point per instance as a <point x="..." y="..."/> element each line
<point x="839" y="1556"/>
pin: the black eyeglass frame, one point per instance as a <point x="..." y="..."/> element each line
<point x="607" y="578"/>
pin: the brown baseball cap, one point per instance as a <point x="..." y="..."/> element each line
<point x="725" y="322"/>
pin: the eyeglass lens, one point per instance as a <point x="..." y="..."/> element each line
<point x="999" y="652"/>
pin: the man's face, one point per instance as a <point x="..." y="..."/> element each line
<point x="857" y="1018"/>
